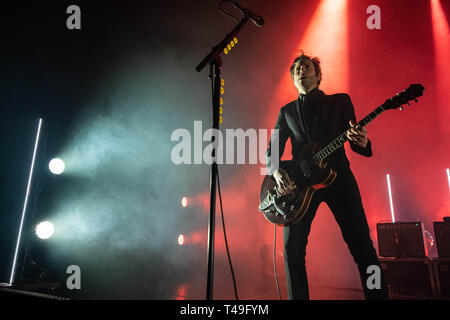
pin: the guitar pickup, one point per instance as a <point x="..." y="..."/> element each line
<point x="306" y="168"/>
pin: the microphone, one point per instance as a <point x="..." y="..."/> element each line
<point x="257" y="20"/>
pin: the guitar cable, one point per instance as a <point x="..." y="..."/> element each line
<point x="226" y="242"/>
<point x="275" y="260"/>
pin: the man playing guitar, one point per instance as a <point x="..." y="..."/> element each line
<point x="317" y="116"/>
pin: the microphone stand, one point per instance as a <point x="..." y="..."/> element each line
<point x="215" y="62"/>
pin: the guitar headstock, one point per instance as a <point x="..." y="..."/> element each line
<point x="412" y="93"/>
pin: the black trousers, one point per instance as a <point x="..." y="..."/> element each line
<point x="344" y="200"/>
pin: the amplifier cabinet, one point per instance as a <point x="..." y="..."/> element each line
<point x="409" y="278"/>
<point x="401" y="240"/>
<point x="442" y="234"/>
<point x="441" y="268"/>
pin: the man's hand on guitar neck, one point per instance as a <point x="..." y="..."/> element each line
<point x="284" y="182"/>
<point x="357" y="134"/>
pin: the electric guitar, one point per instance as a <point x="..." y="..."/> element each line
<point x="311" y="174"/>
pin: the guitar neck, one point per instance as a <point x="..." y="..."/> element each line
<point x="339" y="141"/>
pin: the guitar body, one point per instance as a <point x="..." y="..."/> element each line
<point x="285" y="210"/>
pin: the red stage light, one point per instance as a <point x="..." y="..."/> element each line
<point x="329" y="24"/>
<point x="181" y="292"/>
<point x="326" y="37"/>
<point x="441" y="37"/>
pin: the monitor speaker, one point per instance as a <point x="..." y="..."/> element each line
<point x="409" y="278"/>
<point x="401" y="240"/>
<point x="442" y="234"/>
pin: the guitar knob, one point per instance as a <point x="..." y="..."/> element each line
<point x="401" y="108"/>
<point x="283" y="204"/>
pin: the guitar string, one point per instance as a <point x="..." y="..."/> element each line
<point x="339" y="141"/>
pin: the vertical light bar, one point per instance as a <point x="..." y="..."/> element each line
<point x="13" y="269"/>
<point x="448" y="178"/>
<point x="390" y="197"/>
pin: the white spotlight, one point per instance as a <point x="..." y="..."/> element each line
<point x="44" y="230"/>
<point x="56" y="166"/>
<point x="181" y="239"/>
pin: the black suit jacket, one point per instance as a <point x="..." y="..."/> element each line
<point x="318" y="117"/>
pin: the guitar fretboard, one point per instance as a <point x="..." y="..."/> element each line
<point x="339" y="141"/>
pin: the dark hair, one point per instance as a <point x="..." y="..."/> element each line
<point x="314" y="60"/>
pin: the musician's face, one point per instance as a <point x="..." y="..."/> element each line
<point x="305" y="77"/>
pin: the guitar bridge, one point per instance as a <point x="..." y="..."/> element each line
<point x="268" y="201"/>
<point x="268" y="205"/>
